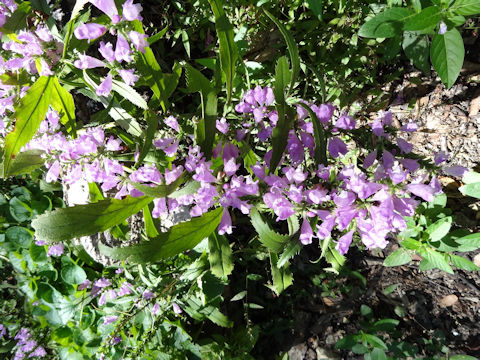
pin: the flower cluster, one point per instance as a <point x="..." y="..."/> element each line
<point x="26" y="346"/>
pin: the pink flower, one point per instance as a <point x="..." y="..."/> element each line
<point x="122" y="50"/>
<point x="172" y="122"/>
<point x="138" y="40"/>
<point x="105" y="87"/>
<point x="87" y="62"/>
<point x="306" y="232"/>
<point x="56" y="250"/>
<point x="128" y="76"/>
<point x="222" y="125"/>
<point x="89" y="31"/>
<point x="107" y="51"/>
<point x="344" y="243"/>
<point x="109" y="8"/>
<point x="53" y="172"/>
<point x="132" y="11"/>
<point x="109" y="319"/>
<point x="176" y="309"/>
<point x="336" y="147"/>
<point x="226" y="223"/>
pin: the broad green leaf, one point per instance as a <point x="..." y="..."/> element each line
<point x="375" y="341"/>
<point x="317" y="8"/>
<point x="392" y="48"/>
<point x="62" y="102"/>
<point x="378" y="354"/>
<point x="19" y="210"/>
<point x="427" y="18"/>
<point x="462" y="263"/>
<point x="28" y="116"/>
<point x="285" y="120"/>
<point x="178" y="239"/>
<point x="435" y="259"/>
<point x="239" y="296"/>
<point x="18" y="19"/>
<point x="152" y="126"/>
<point x="159" y="191"/>
<point x="82" y="220"/>
<point x="472" y="190"/>
<point x="282" y="277"/>
<point x="471" y="177"/>
<point x="416" y="48"/>
<point x="447" y="53"/>
<point x="466" y="7"/>
<point x="20" y="236"/>
<point x="228" y="47"/>
<point x="38" y="253"/>
<point x="468" y="243"/>
<point x="385" y="325"/>
<point x="387" y="24"/>
<point x="266" y="235"/>
<point x="196" y="81"/>
<point x="220" y="255"/>
<point x="397" y="258"/>
<point x="73" y="274"/>
<point x="439" y="229"/>
<point x="26" y="161"/>
<point x="199" y="312"/>
<point x="129" y="93"/>
<point x="320" y="151"/>
<point x="292" y="50"/>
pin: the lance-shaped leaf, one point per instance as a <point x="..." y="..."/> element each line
<point x="447" y="53"/>
<point x="282" y="276"/>
<point x="129" y="93"/>
<point x="205" y="128"/>
<point x="152" y="126"/>
<point x="228" y="47"/>
<point x="159" y="191"/>
<point x="285" y="113"/>
<point x="292" y="50"/>
<point x="320" y="151"/>
<point x="28" y="116"/>
<point x="179" y="238"/>
<point x="220" y="255"/>
<point x="82" y="220"/>
<point x="26" y="162"/>
<point x="62" y="102"/>
<point x="268" y="237"/>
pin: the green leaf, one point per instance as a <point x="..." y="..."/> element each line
<point x="20" y="236"/>
<point x="292" y="249"/>
<point x="190" y="188"/>
<point x="416" y="48"/>
<point x="472" y="190"/>
<point x="185" y="42"/>
<point x="267" y="236"/>
<point x="317" y="8"/>
<point x="378" y="354"/>
<point x="466" y="7"/>
<point x="228" y="47"/>
<point x="26" y="161"/>
<point x="18" y="19"/>
<point x="320" y="151"/>
<point x="28" y="116"/>
<point x="427" y="18"/>
<point x="292" y="50"/>
<point x="285" y="114"/>
<point x="375" y="341"/>
<point x="439" y="229"/>
<point x="387" y="24"/>
<point x="19" y="210"/>
<point x="198" y="312"/>
<point x="83" y="220"/>
<point x="73" y="274"/>
<point x="471" y="177"/>
<point x="38" y="253"/>
<point x="397" y="258"/>
<point x="62" y="102"/>
<point x="159" y="191"/>
<point x="435" y="259"/>
<point x="151" y="225"/>
<point x="282" y="277"/>
<point x="385" y="325"/>
<point x="220" y="255"/>
<point x="179" y="238"/>
<point x="462" y="263"/>
<point x="129" y="93"/>
<point x="462" y="357"/>
<point x="447" y="53"/>
<point x="468" y="243"/>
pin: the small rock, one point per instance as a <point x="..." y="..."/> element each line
<point x="476" y="260"/>
<point x="449" y="300"/>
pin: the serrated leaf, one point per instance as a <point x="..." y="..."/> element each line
<point x="439" y="229"/>
<point x="397" y="258"/>
<point x="267" y="236"/>
<point x="129" y="93"/>
<point x="159" y="191"/>
<point x="82" y="220"/>
<point x="28" y="116"/>
<point x="427" y="18"/>
<point x="282" y="277"/>
<point x="462" y="263"/>
<point x="447" y="53"/>
<point x="416" y="48"/>
<point x="292" y="50"/>
<point x="472" y="190"/>
<point x="468" y="243"/>
<point x="62" y="102"/>
<point x="292" y="249"/>
<point x="435" y="259"/>
<point x="466" y="7"/>
<point x="179" y="238"/>
<point x="220" y="255"/>
<point x="387" y="24"/>
<point x="26" y="161"/>
<point x="228" y="47"/>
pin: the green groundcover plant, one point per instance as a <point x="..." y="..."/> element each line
<point x="300" y="172"/>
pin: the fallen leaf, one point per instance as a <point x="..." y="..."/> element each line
<point x="475" y="104"/>
<point x="449" y="300"/>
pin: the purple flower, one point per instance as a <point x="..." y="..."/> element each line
<point x="105" y="88"/>
<point x="324" y="112"/>
<point x="172" y="122"/>
<point x="107" y="51"/>
<point x="174" y="174"/>
<point x="222" y="125"/>
<point x="22" y="336"/>
<point x="3" y="331"/>
<point x="132" y="11"/>
<point x="109" y="8"/>
<point x="226" y="223"/>
<point x="336" y="147"/>
<point x="281" y="206"/>
<point x="306" y="232"/>
<point x="325" y="228"/>
<point x="147" y="294"/>
<point x="128" y="76"/>
<point x="455" y="170"/>
<point x="122" y="50"/>
<point x="125" y="289"/>
<point x="344" y="243"/>
<point x="295" y="148"/>
<point x="370" y="159"/>
<point x="345" y="122"/>
<point x="87" y="62"/>
<point x="404" y="146"/>
<point x="102" y="283"/>
<point x="421" y="190"/>
<point x="138" y="40"/>
<point x="155" y="309"/>
<point x="410" y="164"/>
<point x="53" y="172"/>
<point x="409" y="127"/>
<point x="440" y="157"/>
<point x="85" y="285"/>
<point x="56" y="250"/>
<point x="89" y="31"/>
<point x="405" y="206"/>
<point x="109" y="319"/>
<point x="442" y="28"/>
<point x="176" y="309"/>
